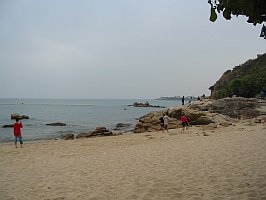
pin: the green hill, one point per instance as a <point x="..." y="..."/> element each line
<point x="245" y="80"/>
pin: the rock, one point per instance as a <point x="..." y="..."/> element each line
<point x="206" y="134"/>
<point x="146" y="104"/>
<point x="17" y="116"/>
<point x="69" y="136"/>
<point x="56" y="124"/>
<point x="236" y="107"/>
<point x="150" y="122"/>
<point x="98" y="132"/>
<point x="122" y="125"/>
<point x="8" y="126"/>
<point x="203" y="120"/>
<point x="139" y="128"/>
<point x="86" y="135"/>
<point x="100" y="129"/>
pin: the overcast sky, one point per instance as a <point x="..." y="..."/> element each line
<point x="117" y="48"/>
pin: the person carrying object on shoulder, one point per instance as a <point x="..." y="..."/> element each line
<point x="17" y="132"/>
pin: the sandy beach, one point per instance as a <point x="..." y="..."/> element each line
<point x="229" y="163"/>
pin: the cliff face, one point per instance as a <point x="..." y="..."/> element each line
<point x="250" y="76"/>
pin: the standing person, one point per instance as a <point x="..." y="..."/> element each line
<point x="190" y="100"/>
<point x="162" y="123"/>
<point x="184" y="121"/>
<point x="165" y="121"/>
<point x="183" y="100"/>
<point x="17" y="132"/>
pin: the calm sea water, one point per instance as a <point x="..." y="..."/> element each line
<point x="79" y="115"/>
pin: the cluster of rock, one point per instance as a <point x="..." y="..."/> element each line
<point x="98" y="132"/>
<point x="235" y="107"/>
<point x="222" y="112"/>
<point x="146" y="104"/>
<point x="18" y="116"/>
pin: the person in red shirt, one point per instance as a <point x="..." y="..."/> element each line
<point x="184" y="121"/>
<point x="17" y="132"/>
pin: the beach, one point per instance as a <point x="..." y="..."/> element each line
<point x="202" y="163"/>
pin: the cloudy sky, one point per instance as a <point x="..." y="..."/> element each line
<point x="117" y="48"/>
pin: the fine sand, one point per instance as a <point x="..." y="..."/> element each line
<point x="228" y="163"/>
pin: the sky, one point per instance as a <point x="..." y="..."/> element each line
<point x="118" y="49"/>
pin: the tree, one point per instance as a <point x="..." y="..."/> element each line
<point x="255" y="10"/>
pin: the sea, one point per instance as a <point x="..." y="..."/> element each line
<point x="79" y="115"/>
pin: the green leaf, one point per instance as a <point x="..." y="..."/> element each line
<point x="213" y="16"/>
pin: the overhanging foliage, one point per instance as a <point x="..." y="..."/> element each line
<point x="255" y="10"/>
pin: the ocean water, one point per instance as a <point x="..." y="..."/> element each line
<point x="79" y="115"/>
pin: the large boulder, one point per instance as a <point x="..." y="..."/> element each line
<point x="150" y="122"/>
<point x="203" y="120"/>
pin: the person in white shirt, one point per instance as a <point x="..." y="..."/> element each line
<point x="165" y="122"/>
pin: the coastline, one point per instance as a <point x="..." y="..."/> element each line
<point x="229" y="162"/>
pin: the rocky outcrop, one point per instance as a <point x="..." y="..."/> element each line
<point x="56" y="124"/>
<point x="236" y="107"/>
<point x="198" y="113"/>
<point x="18" y="116"/>
<point x="146" y="104"/>
<point x="150" y="122"/>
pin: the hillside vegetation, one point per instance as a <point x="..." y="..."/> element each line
<point x="245" y="80"/>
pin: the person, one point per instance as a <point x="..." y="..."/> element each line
<point x="165" y="121"/>
<point x="17" y="132"/>
<point x="198" y="98"/>
<point x="162" y="123"/>
<point x="190" y="100"/>
<point x="184" y="121"/>
<point x="183" y="100"/>
<point x="262" y="94"/>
